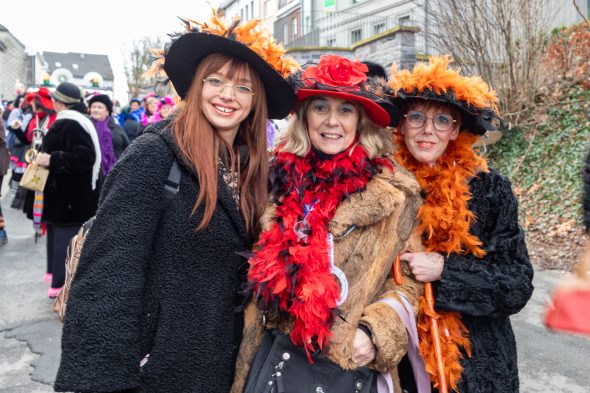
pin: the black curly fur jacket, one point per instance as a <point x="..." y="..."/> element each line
<point x="146" y="285"/>
<point x="487" y="291"/>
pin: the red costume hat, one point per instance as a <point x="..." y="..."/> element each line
<point x="337" y="76"/>
<point x="44" y="96"/>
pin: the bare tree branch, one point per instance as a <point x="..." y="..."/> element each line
<point x="579" y="12"/>
<point x="500" y="40"/>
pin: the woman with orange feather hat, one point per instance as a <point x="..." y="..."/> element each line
<point x="475" y="254"/>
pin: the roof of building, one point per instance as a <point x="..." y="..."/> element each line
<point x="4" y="29"/>
<point x="79" y="64"/>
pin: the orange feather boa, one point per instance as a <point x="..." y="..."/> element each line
<point x="445" y="220"/>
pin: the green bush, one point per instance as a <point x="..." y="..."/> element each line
<point x="545" y="163"/>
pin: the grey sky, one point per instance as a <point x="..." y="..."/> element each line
<point x="99" y="27"/>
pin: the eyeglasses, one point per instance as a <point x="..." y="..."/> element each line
<point x="240" y="90"/>
<point x="441" y="121"/>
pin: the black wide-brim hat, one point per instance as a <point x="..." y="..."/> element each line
<point x="475" y="120"/>
<point x="438" y="81"/>
<point x="186" y="53"/>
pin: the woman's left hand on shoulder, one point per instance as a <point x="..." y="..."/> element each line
<point x="426" y="266"/>
<point x="363" y="349"/>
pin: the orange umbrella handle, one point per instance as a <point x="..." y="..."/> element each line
<point x="397" y="271"/>
<point x="442" y="381"/>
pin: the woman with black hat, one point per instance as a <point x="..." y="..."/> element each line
<point x="112" y="137"/>
<point x="153" y="305"/>
<point x="71" y="152"/>
<point x="341" y="210"/>
<point x="475" y="253"/>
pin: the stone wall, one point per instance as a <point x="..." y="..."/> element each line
<point x="397" y="46"/>
<point x="13" y="61"/>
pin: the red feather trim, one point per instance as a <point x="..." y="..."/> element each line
<point x="292" y="273"/>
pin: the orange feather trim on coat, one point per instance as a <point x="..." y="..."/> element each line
<point x="445" y="220"/>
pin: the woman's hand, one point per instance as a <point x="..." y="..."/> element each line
<point x="363" y="349"/>
<point x="426" y="266"/>
<point x="43" y="159"/>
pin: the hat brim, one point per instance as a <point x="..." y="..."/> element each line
<point x="469" y="120"/>
<point x="188" y="50"/>
<point x="377" y="113"/>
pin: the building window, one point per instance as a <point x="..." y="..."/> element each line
<point x="379" y="28"/>
<point x="242" y="14"/>
<point x="331" y="41"/>
<point x="356" y="35"/>
<point x="285" y="33"/>
<point x="404" y="21"/>
<point x="266" y="8"/>
<point x="246" y="12"/>
<point x="251" y="10"/>
<point x="294" y="29"/>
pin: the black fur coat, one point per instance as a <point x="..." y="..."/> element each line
<point x="487" y="291"/>
<point x="68" y="195"/>
<point x="150" y="285"/>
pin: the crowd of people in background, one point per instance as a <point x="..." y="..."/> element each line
<point x="104" y="131"/>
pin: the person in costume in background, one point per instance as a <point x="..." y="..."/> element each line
<point x="165" y="320"/>
<point x="30" y="136"/>
<point x="71" y="152"/>
<point x="335" y="190"/>
<point x="17" y="124"/>
<point x="112" y="137"/>
<point x="475" y="253"/>
<point x="4" y="161"/>
<point x="165" y="107"/>
<point x="130" y="119"/>
<point x="150" y="114"/>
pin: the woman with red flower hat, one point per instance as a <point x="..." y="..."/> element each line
<point x="341" y="209"/>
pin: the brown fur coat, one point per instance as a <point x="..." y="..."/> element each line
<point x="384" y="215"/>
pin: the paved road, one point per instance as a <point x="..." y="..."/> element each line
<point x="30" y="332"/>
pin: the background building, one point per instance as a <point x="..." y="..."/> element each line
<point x="88" y="71"/>
<point x="308" y="28"/>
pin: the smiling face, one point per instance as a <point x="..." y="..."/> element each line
<point x="426" y="143"/>
<point x="223" y="106"/>
<point x="98" y="111"/>
<point x="165" y="110"/>
<point x="332" y="123"/>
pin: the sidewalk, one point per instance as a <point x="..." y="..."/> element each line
<point x="30" y="332"/>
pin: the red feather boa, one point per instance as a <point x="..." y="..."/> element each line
<point x="293" y="274"/>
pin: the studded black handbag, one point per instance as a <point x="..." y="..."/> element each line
<point x="281" y="367"/>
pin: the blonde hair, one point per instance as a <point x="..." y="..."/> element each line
<point x="376" y="141"/>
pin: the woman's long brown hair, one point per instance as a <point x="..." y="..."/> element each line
<point x="200" y="144"/>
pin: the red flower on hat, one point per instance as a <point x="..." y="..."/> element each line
<point x="336" y="71"/>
